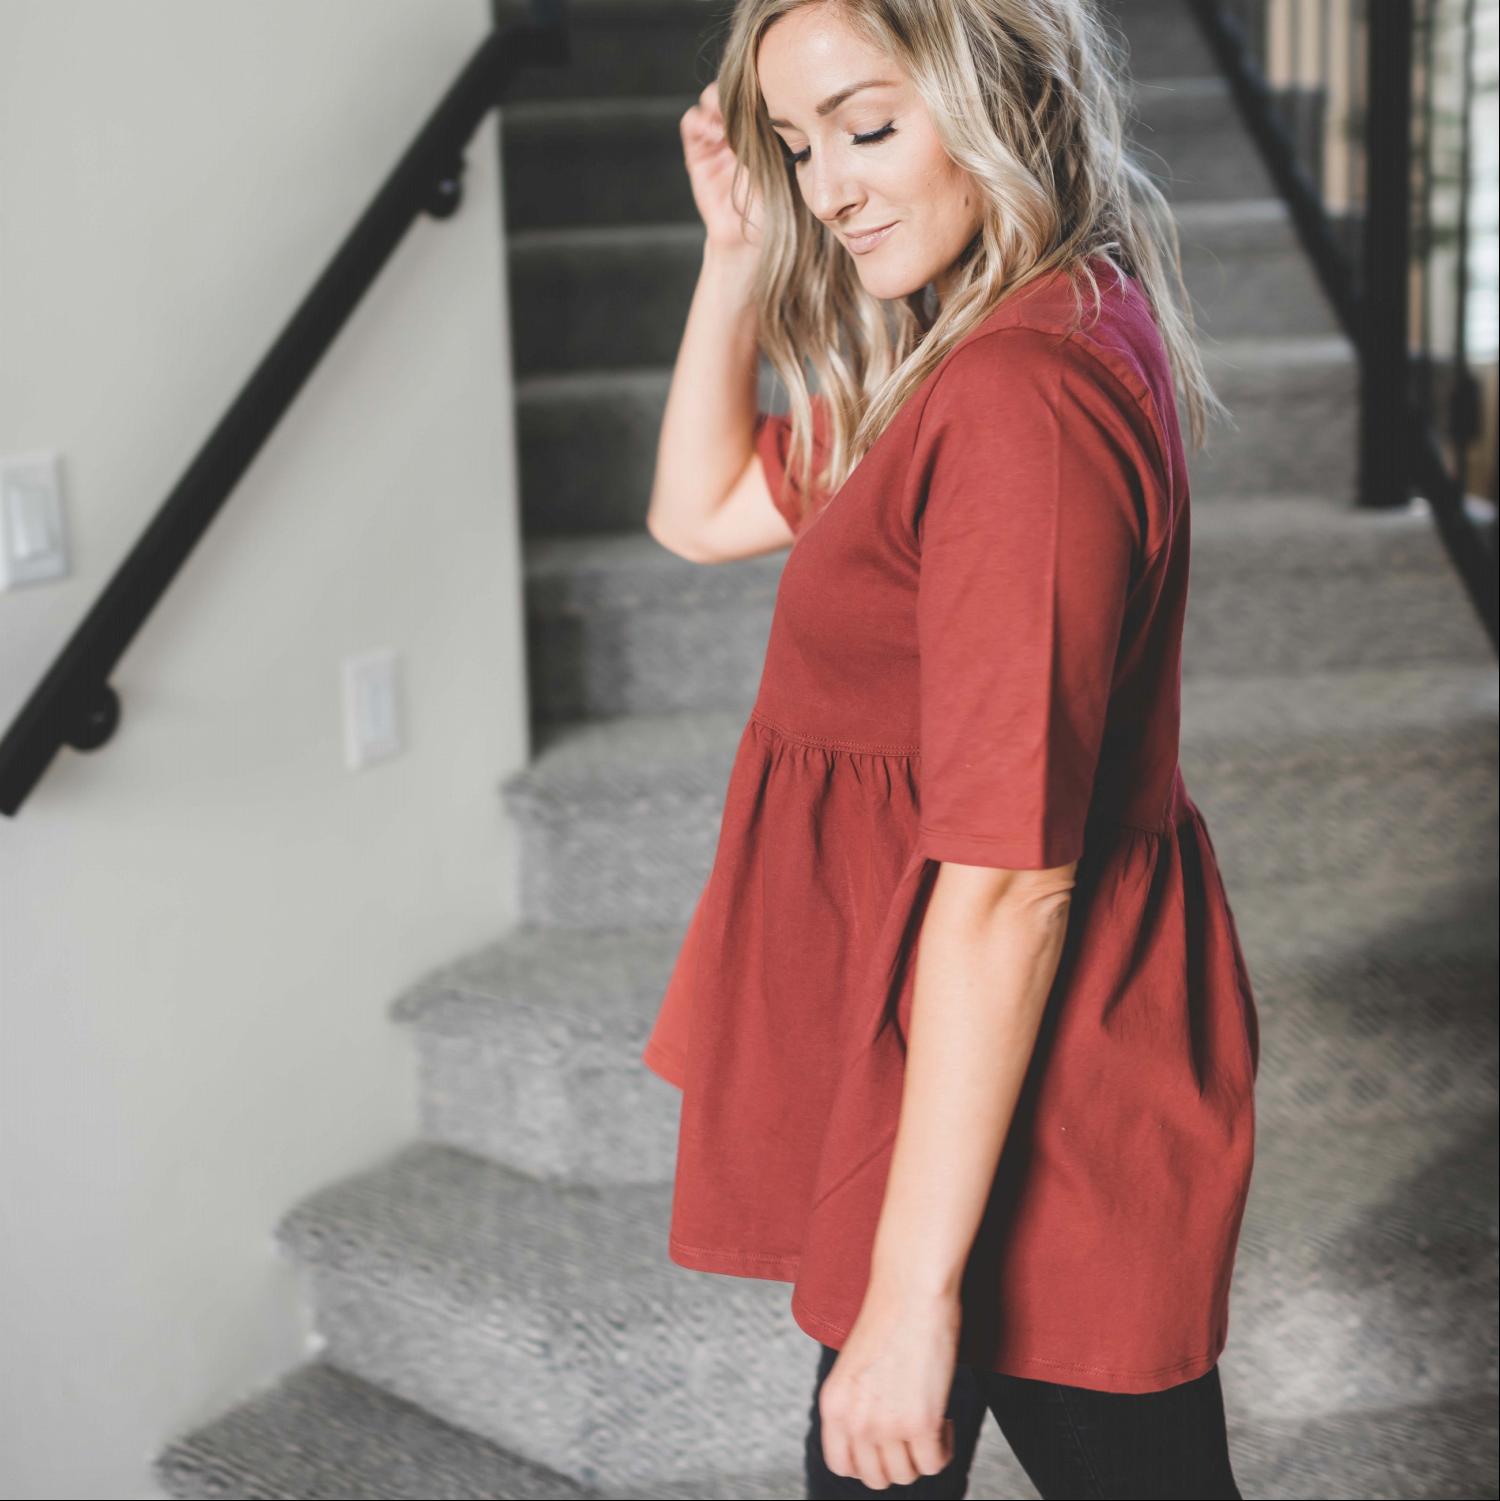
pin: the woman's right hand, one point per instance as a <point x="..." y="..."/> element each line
<point x="711" y="168"/>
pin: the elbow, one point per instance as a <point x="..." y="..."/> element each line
<point x="1053" y="906"/>
<point x="1044" y="907"/>
<point x="1043" y="897"/>
<point x="675" y="544"/>
<point x="1052" y="890"/>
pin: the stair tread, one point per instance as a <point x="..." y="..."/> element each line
<point x="618" y="108"/>
<point x="1307" y="533"/>
<point x="319" y="1431"/>
<point x="1256" y="353"/>
<point x="1421" y="1451"/>
<point x="605" y="238"/>
<point x="468" y="1235"/>
<point x="1193" y="215"/>
<point x="550" y="553"/>
<point x="1376" y="998"/>
<point x="1280" y="353"/>
<point x="472" y="1237"/>
<point x="685" y="752"/>
<point x="563" y="975"/>
<point x="1298" y="934"/>
<point x="322" y="1432"/>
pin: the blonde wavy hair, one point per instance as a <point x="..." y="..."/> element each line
<point x="1030" y="97"/>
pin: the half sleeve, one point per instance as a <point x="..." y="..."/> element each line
<point x="1029" y="531"/>
<point x="773" y="442"/>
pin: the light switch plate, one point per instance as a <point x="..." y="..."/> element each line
<point x="33" y="538"/>
<point x="372" y="709"/>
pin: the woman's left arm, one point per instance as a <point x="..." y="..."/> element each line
<point x="987" y="955"/>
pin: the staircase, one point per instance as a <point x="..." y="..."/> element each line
<point x="499" y="1314"/>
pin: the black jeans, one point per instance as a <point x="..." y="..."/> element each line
<point x="1071" y="1441"/>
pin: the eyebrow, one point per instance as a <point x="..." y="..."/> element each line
<point x="833" y="101"/>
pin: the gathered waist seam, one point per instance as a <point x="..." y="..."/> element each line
<point x="1169" y="822"/>
<point x="1180" y="810"/>
<point x="839" y="745"/>
<point x="1166" y="826"/>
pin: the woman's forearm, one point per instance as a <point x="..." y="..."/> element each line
<point x="708" y="424"/>
<point x="986" y="959"/>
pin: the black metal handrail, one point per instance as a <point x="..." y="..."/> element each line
<point x="74" y="704"/>
<point x="1364" y="261"/>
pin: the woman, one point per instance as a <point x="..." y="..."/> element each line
<point x="965" y="1035"/>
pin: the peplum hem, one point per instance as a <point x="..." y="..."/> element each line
<point x="667" y="1066"/>
<point x="1151" y="994"/>
<point x="1040" y="1368"/>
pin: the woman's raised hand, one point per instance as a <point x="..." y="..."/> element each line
<point x="711" y="168"/>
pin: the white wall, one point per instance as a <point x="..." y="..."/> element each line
<point x="203" y="923"/>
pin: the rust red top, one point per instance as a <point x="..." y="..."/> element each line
<point x="975" y="656"/>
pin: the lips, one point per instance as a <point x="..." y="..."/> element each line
<point x="867" y="241"/>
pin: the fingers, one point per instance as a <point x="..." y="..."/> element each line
<point x="883" y="1436"/>
<point x="701" y="129"/>
<point x="897" y="1462"/>
<point x="869" y="1465"/>
<point x="837" y="1449"/>
<point x="705" y="115"/>
<point x="933" y="1452"/>
<point x="879" y="1463"/>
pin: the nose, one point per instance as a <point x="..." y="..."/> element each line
<point x="830" y="195"/>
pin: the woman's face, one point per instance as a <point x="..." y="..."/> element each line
<point x="866" y="156"/>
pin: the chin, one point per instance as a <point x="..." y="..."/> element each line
<point x="889" y="285"/>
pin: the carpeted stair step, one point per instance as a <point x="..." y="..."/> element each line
<point x="623" y="49"/>
<point x="607" y="296"/>
<point x="1300" y="776"/>
<point x="1162" y="39"/>
<point x="572" y="162"/>
<point x="577" y="163"/>
<point x="616" y="624"/>
<point x="1367" y="1266"/>
<point x="1376" y="997"/>
<point x="618" y="819"/>
<point x="1247" y="274"/>
<point x="1188" y="139"/>
<point x="318" y="1431"/>
<point x="636" y="47"/>
<point x="1293" y="405"/>
<point x="587" y="439"/>
<point x="528" y="1052"/>
<point x="548" y="1319"/>
<point x="1388" y="771"/>
<point x="647" y="47"/>
<point x="1301" y="583"/>
<point x="1413" y="1450"/>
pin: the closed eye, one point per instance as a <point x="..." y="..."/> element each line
<point x="796" y="158"/>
